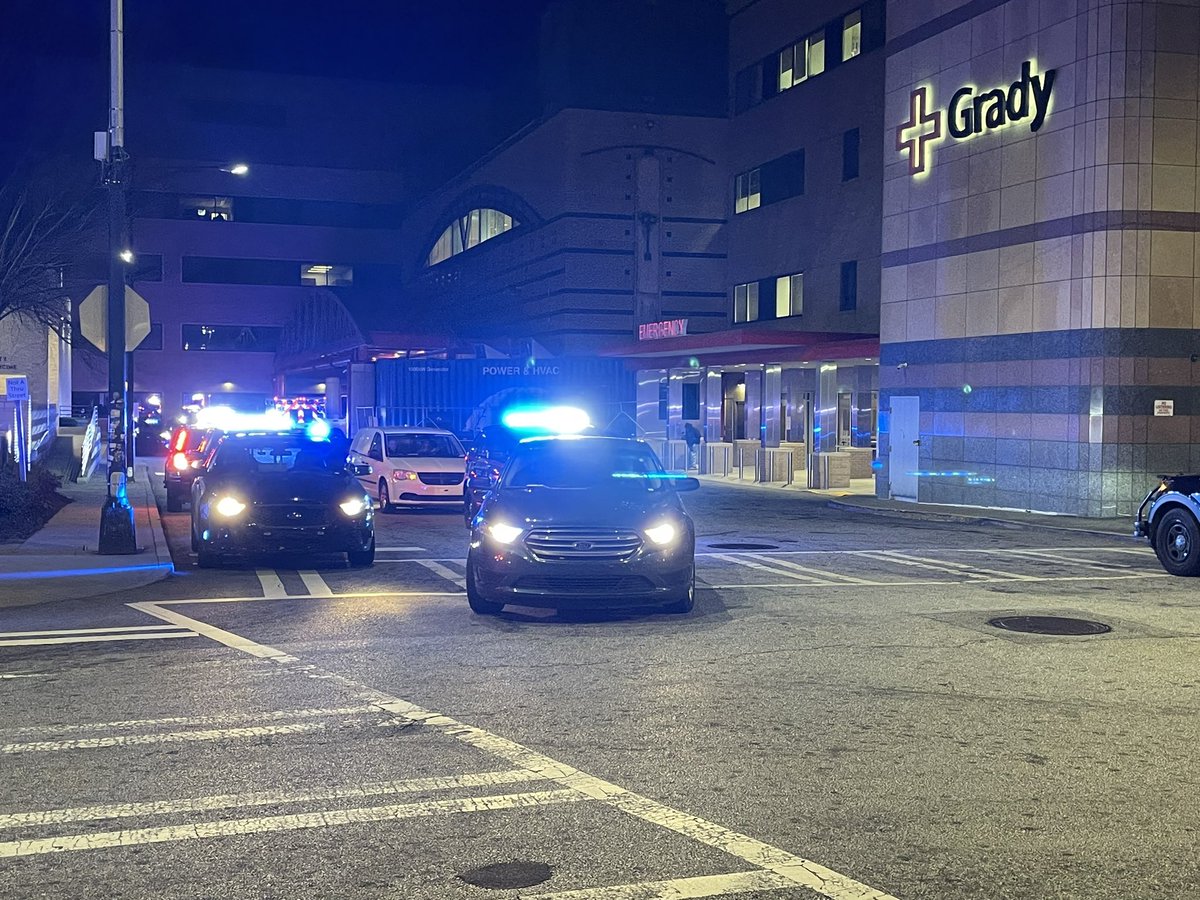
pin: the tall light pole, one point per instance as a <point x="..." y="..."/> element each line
<point x="118" y="532"/>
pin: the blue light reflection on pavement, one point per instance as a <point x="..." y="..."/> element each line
<point x="75" y="573"/>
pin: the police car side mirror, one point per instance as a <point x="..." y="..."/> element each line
<point x="686" y="484"/>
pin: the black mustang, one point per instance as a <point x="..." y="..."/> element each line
<point x="280" y="492"/>
<point x="583" y="522"/>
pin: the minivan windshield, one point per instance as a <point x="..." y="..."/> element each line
<point x="585" y="464"/>
<point x="442" y="446"/>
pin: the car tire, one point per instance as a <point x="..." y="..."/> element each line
<point x="479" y="605"/>
<point x="206" y="559"/>
<point x="361" y="559"/>
<point x="687" y="602"/>
<point x="1177" y="543"/>
<point x="385" y="498"/>
<point x="174" y="501"/>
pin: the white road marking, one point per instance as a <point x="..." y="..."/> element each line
<point x="751" y="564"/>
<point x="324" y="819"/>
<point x="969" y="570"/>
<point x="64" y="631"/>
<point x="396" y="549"/>
<point x="678" y="888"/>
<point x="880" y="556"/>
<point x="798" y="870"/>
<point x="316" y="585"/>
<point x="28" y="675"/>
<point x="166" y="737"/>
<point x="97" y="638"/>
<point x="229" y="639"/>
<point x="262" y="798"/>
<point x="1048" y="556"/>
<point x="271" y="585"/>
<point x="438" y="569"/>
<point x="226" y="719"/>
<point x="819" y="573"/>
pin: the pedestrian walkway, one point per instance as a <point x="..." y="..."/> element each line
<point x="61" y="562"/>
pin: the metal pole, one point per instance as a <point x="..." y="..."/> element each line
<point x="117" y="529"/>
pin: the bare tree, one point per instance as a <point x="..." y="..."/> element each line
<point x="49" y="235"/>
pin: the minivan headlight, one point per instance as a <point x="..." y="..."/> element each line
<point x="230" y="507"/>
<point x="505" y="534"/>
<point x="662" y="534"/>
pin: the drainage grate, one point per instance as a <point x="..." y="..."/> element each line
<point x="743" y="546"/>
<point x="1057" y="625"/>
<point x="501" y="876"/>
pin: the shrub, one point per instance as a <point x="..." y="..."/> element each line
<point x="26" y="506"/>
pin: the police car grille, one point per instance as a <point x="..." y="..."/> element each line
<point x="582" y="543"/>
<point x="295" y="515"/>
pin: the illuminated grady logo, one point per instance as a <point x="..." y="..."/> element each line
<point x="972" y="112"/>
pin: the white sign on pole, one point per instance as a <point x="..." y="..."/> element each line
<point x="1164" y="407"/>
<point x="93" y="318"/>
<point x="16" y="387"/>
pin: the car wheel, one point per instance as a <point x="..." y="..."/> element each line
<point x="479" y="605"/>
<point x="206" y="559"/>
<point x="360" y="559"/>
<point x="174" y="501"/>
<point x="385" y="499"/>
<point x="1177" y="541"/>
<point x="687" y="602"/>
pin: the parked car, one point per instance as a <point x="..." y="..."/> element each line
<point x="188" y="447"/>
<point x="1169" y="518"/>
<point x="410" y="466"/>
<point x="280" y="492"/>
<point x="148" y="431"/>
<point x="583" y="521"/>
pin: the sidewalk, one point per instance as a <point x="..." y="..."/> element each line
<point x="60" y="561"/>
<point x="860" y="498"/>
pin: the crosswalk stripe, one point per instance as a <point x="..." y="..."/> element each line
<point x="396" y="549"/>
<point x="272" y="586"/>
<point x="438" y="569"/>
<point x="195" y="721"/>
<point x="678" y="888"/>
<point x="316" y="584"/>
<point x="880" y="556"/>
<point x="323" y="819"/>
<point x="97" y="638"/>
<point x="751" y="564"/>
<point x="56" y="632"/>
<point x="820" y="573"/>
<point x="1053" y="557"/>
<point x="168" y="737"/>
<point x="960" y="567"/>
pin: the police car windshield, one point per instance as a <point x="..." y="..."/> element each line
<point x="275" y="454"/>
<point x="441" y="446"/>
<point x="585" y="464"/>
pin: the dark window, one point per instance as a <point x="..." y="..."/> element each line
<point x="691" y="401"/>
<point x="147" y="267"/>
<point x="849" y="295"/>
<point x="241" y="338"/>
<point x="850" y="154"/>
<point x="783" y="177"/>
<point x="218" y="270"/>
<point x="664" y="398"/>
<point x="153" y="340"/>
<point x="376" y="451"/>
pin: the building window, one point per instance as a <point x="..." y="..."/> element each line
<point x="211" y="209"/>
<point x="852" y="35"/>
<point x="850" y="154"/>
<point x="783" y="177"/>
<point x="240" y="338"/>
<point x="789" y="295"/>
<point x="747" y="191"/>
<point x="802" y="60"/>
<point x="745" y="302"/>
<point x="469" y="231"/>
<point x="226" y="270"/>
<point x="849" y="296"/>
<point x="324" y="275"/>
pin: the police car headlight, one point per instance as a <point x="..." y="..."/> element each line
<point x="230" y="507"/>
<point x="355" y="506"/>
<point x="662" y="534"/>
<point x="505" y="534"/>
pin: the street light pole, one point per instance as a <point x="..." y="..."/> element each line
<point x="118" y="533"/>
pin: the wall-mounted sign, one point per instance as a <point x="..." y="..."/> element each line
<point x="972" y="111"/>
<point x="1164" y="407"/>
<point x="652" y="331"/>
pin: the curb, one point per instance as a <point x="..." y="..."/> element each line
<point x="957" y="519"/>
<point x="157" y="544"/>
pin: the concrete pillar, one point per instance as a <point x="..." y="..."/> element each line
<point x="754" y="405"/>
<point x="826" y="408"/>
<point x="772" y="400"/>
<point x="711" y="401"/>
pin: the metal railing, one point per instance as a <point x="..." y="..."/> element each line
<point x="93" y="444"/>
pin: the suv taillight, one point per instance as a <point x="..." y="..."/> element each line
<point x="181" y="439"/>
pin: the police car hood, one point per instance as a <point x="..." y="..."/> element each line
<point x="291" y="487"/>
<point x="620" y="507"/>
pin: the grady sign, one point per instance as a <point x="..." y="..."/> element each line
<point x="973" y="112"/>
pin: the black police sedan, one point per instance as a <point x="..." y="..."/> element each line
<point x="280" y="492"/>
<point x="583" y="522"/>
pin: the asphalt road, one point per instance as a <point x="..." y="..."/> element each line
<point x="835" y="719"/>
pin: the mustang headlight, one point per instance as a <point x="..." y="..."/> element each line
<point x="230" y="507"/>
<point x="662" y="534"/>
<point x="505" y="534"/>
<point x="355" y="506"/>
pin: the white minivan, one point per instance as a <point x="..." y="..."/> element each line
<point x="410" y="466"/>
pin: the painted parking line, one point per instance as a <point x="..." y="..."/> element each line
<point x="575" y="784"/>
<point x="798" y="577"/>
<point x="263" y="798"/>
<point x="969" y="570"/>
<point x="819" y="573"/>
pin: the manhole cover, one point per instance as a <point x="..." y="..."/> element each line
<point x="1059" y="625"/>
<point x="516" y="874"/>
<point x="743" y="546"/>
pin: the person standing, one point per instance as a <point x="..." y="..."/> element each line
<point x="692" y="436"/>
